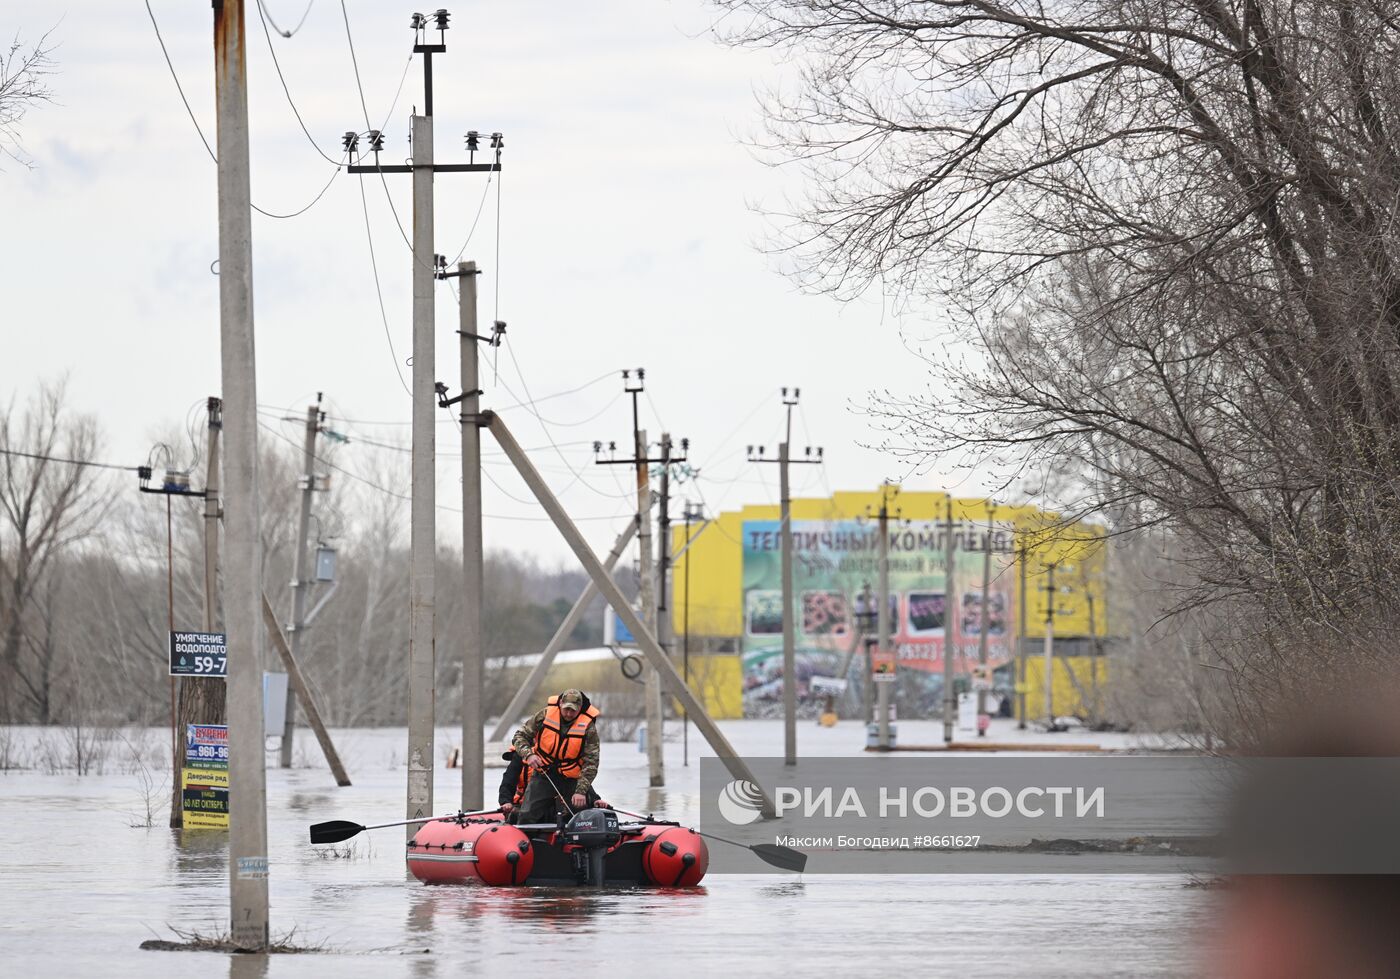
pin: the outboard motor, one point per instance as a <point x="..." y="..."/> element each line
<point x="589" y="835"/>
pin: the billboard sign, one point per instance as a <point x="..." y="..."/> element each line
<point x="833" y="563"/>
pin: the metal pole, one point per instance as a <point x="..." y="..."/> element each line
<point x="248" y="868"/>
<point x="646" y="640"/>
<point x="950" y="625"/>
<point x="789" y="643"/>
<point x="882" y="625"/>
<point x="300" y="584"/>
<point x="1050" y="648"/>
<point x="982" y="640"/>
<point x="652" y="686"/>
<point x="473" y="656"/>
<point x="1023" y="553"/>
<point x="517" y="706"/>
<point x="422" y="585"/>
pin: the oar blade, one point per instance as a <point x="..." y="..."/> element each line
<point x="335" y="831"/>
<point x="782" y="857"/>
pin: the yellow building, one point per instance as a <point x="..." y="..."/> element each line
<point x="724" y="587"/>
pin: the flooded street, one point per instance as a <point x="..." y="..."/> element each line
<point x="83" y="887"/>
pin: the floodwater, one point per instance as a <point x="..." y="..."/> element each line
<point x="83" y="881"/>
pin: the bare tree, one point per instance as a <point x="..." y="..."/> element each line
<point x="1167" y="231"/>
<point x="24" y="74"/>
<point x="50" y="498"/>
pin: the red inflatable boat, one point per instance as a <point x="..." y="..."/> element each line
<point x="592" y="848"/>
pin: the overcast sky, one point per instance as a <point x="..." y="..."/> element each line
<point x="628" y="236"/>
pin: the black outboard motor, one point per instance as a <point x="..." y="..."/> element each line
<point x="591" y="832"/>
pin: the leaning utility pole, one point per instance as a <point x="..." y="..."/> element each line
<point x="646" y="640"/>
<point x="950" y="613"/>
<point x="785" y="532"/>
<point x="519" y="703"/>
<point x="248" y="868"/>
<point x="423" y="535"/>
<point x="300" y="583"/>
<point x="655" y="725"/>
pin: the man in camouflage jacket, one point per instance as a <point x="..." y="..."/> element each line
<point x="539" y="804"/>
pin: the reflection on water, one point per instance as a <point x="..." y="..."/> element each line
<point x="247" y="966"/>
<point x="357" y="901"/>
<point x="200" y="853"/>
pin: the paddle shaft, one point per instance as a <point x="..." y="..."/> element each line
<point x="339" y="830"/>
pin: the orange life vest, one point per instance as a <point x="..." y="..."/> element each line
<point x="559" y="748"/>
<point x="520" y="782"/>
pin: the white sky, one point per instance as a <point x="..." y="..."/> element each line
<point x="628" y="237"/>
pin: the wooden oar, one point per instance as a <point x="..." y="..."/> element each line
<point x="340" y="829"/>
<point x="782" y="857"/>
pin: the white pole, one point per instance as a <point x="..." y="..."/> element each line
<point x="248" y="868"/>
<point x="473" y="750"/>
<point x="647" y="597"/>
<point x="423" y="538"/>
<point x="300" y="575"/>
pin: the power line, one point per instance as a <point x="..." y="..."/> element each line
<point x="267" y="16"/>
<point x="70" y="462"/>
<point x="181" y="89"/>
<point x="529" y="406"/>
<point x="359" y="86"/>
<point x="379" y="290"/>
<point x="264" y="16"/>
<point x="394" y="493"/>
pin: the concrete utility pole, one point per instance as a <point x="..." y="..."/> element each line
<point x="646" y="592"/>
<point x="695" y="512"/>
<point x="655" y="721"/>
<point x="422" y="581"/>
<point x="646" y="640"/>
<point x="201" y="700"/>
<point x="423" y="543"/>
<point x="519" y="704"/>
<point x="473" y="571"/>
<point x="300" y="574"/>
<point x="211" y="535"/>
<point x="784" y="460"/>
<point x="664" y="629"/>
<point x="950" y="622"/>
<point x="882" y="625"/>
<point x="982" y="638"/>
<point x="248" y="867"/>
